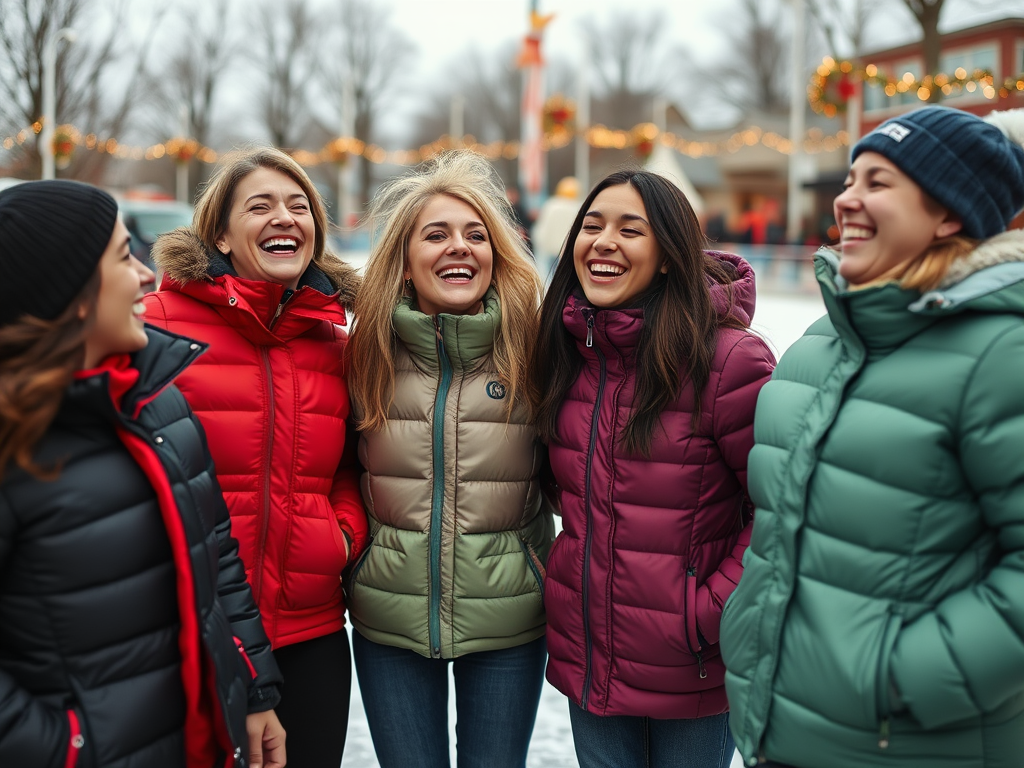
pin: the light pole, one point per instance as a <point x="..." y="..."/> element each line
<point x="50" y="97"/>
<point x="582" y="124"/>
<point x="798" y="100"/>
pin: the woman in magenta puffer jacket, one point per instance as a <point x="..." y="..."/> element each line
<point x="649" y="377"/>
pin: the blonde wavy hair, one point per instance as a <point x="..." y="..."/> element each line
<point x="468" y="177"/>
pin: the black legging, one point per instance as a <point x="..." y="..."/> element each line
<point x="314" y="703"/>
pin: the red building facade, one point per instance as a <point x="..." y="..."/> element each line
<point x="997" y="46"/>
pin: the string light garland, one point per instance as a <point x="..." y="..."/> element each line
<point x="834" y="82"/>
<point x="640" y="139"/>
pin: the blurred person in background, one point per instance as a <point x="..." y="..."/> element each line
<point x="454" y="574"/>
<point x="880" y="619"/>
<point x="552" y="225"/>
<point x="128" y="635"/>
<point x="252" y="278"/>
<point x="648" y="376"/>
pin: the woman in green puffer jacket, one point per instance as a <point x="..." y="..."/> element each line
<point x="880" y="618"/>
<point x="445" y="325"/>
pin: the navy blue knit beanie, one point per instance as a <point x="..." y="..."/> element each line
<point x="52" y="235"/>
<point x="969" y="166"/>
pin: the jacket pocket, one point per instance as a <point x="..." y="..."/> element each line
<point x="362" y="559"/>
<point x="693" y="638"/>
<point x="535" y="565"/>
<point x="884" y="678"/>
<point x="314" y="559"/>
<point x="350" y="582"/>
<point x="76" y="740"/>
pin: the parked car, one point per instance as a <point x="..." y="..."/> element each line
<point x="147" y="219"/>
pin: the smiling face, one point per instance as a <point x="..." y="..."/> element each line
<point x="449" y="258"/>
<point x="118" y="325"/>
<point x="885" y="221"/>
<point x="615" y="254"/>
<point x="270" y="233"/>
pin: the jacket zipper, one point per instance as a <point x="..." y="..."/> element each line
<point x="528" y="551"/>
<point x="691" y="599"/>
<point x="288" y="293"/>
<point x="437" y="500"/>
<point x="586" y="504"/>
<point x="268" y="458"/>
<point x="892" y="626"/>
<point x="267" y="464"/>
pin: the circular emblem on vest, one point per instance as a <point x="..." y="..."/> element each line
<point x="496" y="390"/>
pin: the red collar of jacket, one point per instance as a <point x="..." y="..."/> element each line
<point x="263" y="311"/>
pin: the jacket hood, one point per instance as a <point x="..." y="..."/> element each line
<point x="743" y="288"/>
<point x="988" y="279"/>
<point x="183" y="257"/>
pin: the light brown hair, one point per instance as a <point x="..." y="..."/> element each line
<point x="213" y="208"/>
<point x="470" y="178"/>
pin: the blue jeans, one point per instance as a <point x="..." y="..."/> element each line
<point x="406" y="699"/>
<point x="644" y="742"/>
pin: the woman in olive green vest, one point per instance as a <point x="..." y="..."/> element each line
<point x="445" y="325"/>
<point x="880" y="617"/>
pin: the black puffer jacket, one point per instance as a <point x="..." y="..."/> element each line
<point x="89" y="609"/>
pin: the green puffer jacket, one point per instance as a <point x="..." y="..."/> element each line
<point x="459" y="527"/>
<point x="880" y="617"/>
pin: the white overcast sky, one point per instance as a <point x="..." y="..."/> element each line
<point x="444" y="29"/>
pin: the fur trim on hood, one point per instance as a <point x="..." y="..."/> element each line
<point x="1003" y="248"/>
<point x="184" y="258"/>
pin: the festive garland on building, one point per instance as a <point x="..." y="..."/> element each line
<point x="834" y="82"/>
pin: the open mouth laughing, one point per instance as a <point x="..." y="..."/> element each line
<point x="606" y="269"/>
<point x="854" y="232"/>
<point x="280" y="246"/>
<point x="456" y="275"/>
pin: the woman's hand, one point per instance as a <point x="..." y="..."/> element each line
<point x="266" y="740"/>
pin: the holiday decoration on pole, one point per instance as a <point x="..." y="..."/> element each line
<point x="532" y="170"/>
<point x="65" y="138"/>
<point x="182" y="150"/>
<point x="559" y="115"/>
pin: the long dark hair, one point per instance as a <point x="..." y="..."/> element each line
<point x="677" y="343"/>
<point x="38" y="360"/>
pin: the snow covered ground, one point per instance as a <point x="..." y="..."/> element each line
<point x="780" y="318"/>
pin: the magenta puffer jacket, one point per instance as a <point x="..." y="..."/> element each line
<point x="651" y="547"/>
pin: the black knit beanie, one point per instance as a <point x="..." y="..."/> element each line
<point x="52" y="235"/>
<point x="963" y="162"/>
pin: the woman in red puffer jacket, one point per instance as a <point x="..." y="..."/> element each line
<point x="650" y="377"/>
<point x="253" y="280"/>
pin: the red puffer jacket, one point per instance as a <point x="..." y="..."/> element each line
<point x="272" y="397"/>
<point x="651" y="546"/>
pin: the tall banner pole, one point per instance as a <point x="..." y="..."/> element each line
<point x="532" y="160"/>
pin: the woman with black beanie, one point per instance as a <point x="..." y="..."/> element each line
<point x="128" y="634"/>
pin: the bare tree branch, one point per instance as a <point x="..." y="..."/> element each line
<point x="91" y="89"/>
<point x="371" y="53"/>
<point x="288" y="36"/>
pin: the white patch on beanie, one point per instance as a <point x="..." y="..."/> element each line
<point x="1010" y="122"/>
<point x="894" y="131"/>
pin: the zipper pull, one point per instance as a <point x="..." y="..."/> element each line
<point x="700" y="665"/>
<point x="437" y="329"/>
<point x="883" y="734"/>
<point x="288" y="293"/>
<point x="590" y="331"/>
